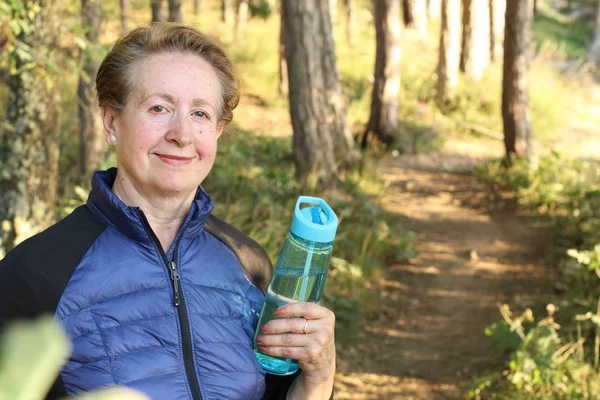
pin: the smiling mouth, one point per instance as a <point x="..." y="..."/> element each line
<point x="174" y="160"/>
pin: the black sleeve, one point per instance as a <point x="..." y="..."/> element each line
<point x="34" y="274"/>
<point x="278" y="386"/>
<point x="254" y="259"/>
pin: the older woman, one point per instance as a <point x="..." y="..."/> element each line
<point x="154" y="292"/>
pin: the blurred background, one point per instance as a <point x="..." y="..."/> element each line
<point x="458" y="142"/>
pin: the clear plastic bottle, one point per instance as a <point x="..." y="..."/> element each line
<point x="301" y="270"/>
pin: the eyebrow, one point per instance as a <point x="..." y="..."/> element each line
<point x="195" y="102"/>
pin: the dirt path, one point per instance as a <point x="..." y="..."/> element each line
<point x="428" y="339"/>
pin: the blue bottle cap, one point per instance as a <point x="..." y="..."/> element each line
<point x="317" y="223"/>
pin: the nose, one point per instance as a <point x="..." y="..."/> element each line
<point x="180" y="131"/>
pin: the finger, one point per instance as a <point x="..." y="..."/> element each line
<point x="303" y="309"/>
<point x="287" y="339"/>
<point x="297" y="353"/>
<point x="293" y="325"/>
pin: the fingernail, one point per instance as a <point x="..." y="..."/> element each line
<point x="279" y="312"/>
<point x="259" y="339"/>
<point x="262" y="349"/>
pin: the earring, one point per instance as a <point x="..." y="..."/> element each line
<point x="113" y="139"/>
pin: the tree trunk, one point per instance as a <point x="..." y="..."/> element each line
<point x="434" y="9"/>
<point x="321" y="139"/>
<point x="475" y="54"/>
<point x="383" y="121"/>
<point x="518" y="138"/>
<point x="407" y="15"/>
<point x="241" y="18"/>
<point x="419" y="15"/>
<point x="91" y="131"/>
<point x="594" y="52"/>
<point x="227" y="12"/>
<point x="197" y="7"/>
<point x="175" y="11"/>
<point x="497" y="11"/>
<point x="157" y="11"/>
<point x="124" y="15"/>
<point x="29" y="147"/>
<point x="449" y="51"/>
<point x="283" y="69"/>
<point x="350" y="21"/>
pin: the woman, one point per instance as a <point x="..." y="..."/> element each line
<point x="154" y="292"/>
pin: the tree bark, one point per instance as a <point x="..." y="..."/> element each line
<point x="322" y="141"/>
<point x="91" y="132"/>
<point x="518" y="138"/>
<point x="497" y="11"/>
<point x="383" y="121"/>
<point x="594" y="52"/>
<point x="175" y="11"/>
<point x="227" y="12"/>
<point x="434" y="9"/>
<point x="283" y="69"/>
<point x="157" y="11"/>
<point x="407" y="15"/>
<point x="241" y="18"/>
<point x="475" y="54"/>
<point x="449" y="51"/>
<point x="350" y="20"/>
<point x="124" y="4"/>
<point x="29" y="146"/>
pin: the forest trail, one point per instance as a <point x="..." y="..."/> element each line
<point x="427" y="339"/>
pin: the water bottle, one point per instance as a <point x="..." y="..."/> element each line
<point x="300" y="271"/>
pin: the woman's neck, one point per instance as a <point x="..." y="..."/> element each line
<point x="165" y="214"/>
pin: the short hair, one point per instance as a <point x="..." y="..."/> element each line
<point x="114" y="79"/>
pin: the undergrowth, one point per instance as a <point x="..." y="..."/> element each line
<point x="554" y="356"/>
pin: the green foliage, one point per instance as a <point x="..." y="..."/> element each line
<point x="571" y="35"/>
<point x="502" y="337"/>
<point x="31" y="355"/>
<point x="260" y="9"/>
<point x="542" y="365"/>
<point x="551" y="363"/>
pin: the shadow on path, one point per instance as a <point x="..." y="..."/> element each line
<point x="427" y="341"/>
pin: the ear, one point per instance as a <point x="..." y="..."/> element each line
<point x="109" y="117"/>
<point x="220" y="127"/>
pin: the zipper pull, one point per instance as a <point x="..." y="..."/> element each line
<point x="175" y="278"/>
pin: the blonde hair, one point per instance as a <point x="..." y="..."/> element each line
<point x="114" y="78"/>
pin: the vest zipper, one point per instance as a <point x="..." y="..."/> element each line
<point x="179" y="303"/>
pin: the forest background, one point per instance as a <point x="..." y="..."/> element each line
<point x="545" y="157"/>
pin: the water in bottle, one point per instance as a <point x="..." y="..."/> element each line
<point x="301" y="270"/>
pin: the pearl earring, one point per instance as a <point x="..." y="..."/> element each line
<point x="113" y="139"/>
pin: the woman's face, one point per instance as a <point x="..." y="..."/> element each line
<point x="166" y="137"/>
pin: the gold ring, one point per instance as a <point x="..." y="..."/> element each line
<point x="305" y="325"/>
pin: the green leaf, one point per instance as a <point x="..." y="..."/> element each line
<point x="502" y="337"/>
<point x="32" y="354"/>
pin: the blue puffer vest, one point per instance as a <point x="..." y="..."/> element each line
<point x="119" y="309"/>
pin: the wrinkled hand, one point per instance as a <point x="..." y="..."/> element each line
<point x="304" y="332"/>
